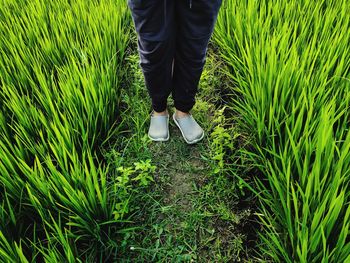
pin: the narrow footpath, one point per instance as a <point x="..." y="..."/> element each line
<point x="188" y="213"/>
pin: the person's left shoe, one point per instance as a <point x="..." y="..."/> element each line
<point x="190" y="129"/>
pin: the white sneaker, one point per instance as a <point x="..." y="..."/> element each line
<point x="190" y="129"/>
<point x="159" y="127"/>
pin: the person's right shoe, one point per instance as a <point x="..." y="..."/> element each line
<point x="159" y="128"/>
<point x="190" y="129"/>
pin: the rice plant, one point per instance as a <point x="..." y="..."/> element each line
<point x="61" y="67"/>
<point x="290" y="63"/>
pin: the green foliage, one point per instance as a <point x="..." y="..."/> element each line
<point x="11" y="252"/>
<point x="61" y="70"/>
<point x="222" y="140"/>
<point x="144" y="170"/>
<point x="141" y="172"/>
<point x="290" y="67"/>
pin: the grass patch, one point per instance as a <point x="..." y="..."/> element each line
<point x="61" y="69"/>
<point x="290" y="69"/>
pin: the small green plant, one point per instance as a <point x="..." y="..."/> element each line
<point x="140" y="172"/>
<point x="222" y="141"/>
<point x="144" y="170"/>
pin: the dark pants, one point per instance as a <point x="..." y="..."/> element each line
<point x="173" y="37"/>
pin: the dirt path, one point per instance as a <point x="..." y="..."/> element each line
<point x="187" y="214"/>
<point x="183" y="168"/>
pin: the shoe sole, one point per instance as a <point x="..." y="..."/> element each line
<point x="188" y="142"/>
<point x="161" y="139"/>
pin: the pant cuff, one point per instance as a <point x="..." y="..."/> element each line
<point x="185" y="107"/>
<point x="159" y="106"/>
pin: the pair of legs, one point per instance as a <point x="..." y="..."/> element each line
<point x="173" y="36"/>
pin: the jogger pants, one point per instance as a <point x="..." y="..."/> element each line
<point x="173" y="37"/>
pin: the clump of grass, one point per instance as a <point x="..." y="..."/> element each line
<point x="290" y="66"/>
<point x="61" y="67"/>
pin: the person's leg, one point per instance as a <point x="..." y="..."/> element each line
<point x="154" y="24"/>
<point x="195" y="21"/>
